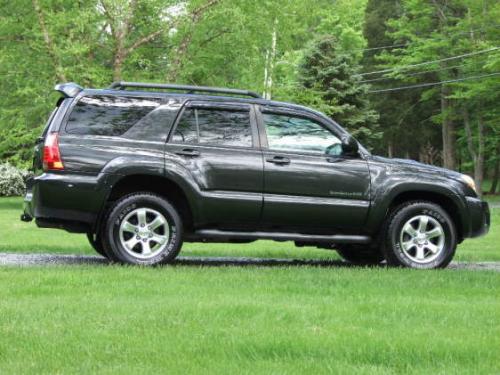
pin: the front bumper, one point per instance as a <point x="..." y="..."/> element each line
<point x="479" y="217"/>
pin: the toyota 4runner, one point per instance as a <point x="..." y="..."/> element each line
<point x="142" y="168"/>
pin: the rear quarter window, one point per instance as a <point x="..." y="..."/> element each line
<point x="142" y="118"/>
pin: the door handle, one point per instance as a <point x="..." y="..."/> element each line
<point x="189" y="152"/>
<point x="334" y="159"/>
<point x="280" y="160"/>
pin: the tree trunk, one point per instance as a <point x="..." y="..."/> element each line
<point x="266" y="74"/>
<point x="479" y="167"/>
<point x="270" y="59"/>
<point x="118" y="65"/>
<point x="496" y="173"/>
<point x="180" y="53"/>
<point x="178" y="61"/>
<point x="48" y="42"/>
<point x="477" y="156"/>
<point x="448" y="131"/>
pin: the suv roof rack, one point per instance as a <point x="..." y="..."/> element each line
<point x="190" y="89"/>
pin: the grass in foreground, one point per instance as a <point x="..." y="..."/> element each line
<point x="27" y="238"/>
<point x="242" y="320"/>
<point x="229" y="320"/>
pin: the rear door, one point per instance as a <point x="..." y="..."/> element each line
<point x="217" y="143"/>
<point x="308" y="185"/>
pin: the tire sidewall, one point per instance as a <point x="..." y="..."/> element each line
<point x="128" y="204"/>
<point x="405" y="214"/>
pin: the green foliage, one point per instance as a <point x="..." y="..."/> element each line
<point x="12" y="180"/>
<point x="230" y="43"/>
<point x="333" y="84"/>
<point x="467" y="110"/>
<point x="206" y="42"/>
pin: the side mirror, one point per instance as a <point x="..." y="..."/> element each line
<point x="349" y="146"/>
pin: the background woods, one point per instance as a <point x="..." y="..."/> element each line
<point x="410" y="78"/>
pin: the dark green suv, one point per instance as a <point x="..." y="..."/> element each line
<point x="142" y="168"/>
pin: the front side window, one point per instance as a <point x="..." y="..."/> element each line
<point x="298" y="134"/>
<point x="214" y="126"/>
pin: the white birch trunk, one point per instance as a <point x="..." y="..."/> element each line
<point x="270" y="60"/>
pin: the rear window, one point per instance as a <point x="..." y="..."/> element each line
<point x="122" y="116"/>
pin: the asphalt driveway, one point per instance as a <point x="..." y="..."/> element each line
<point x="16" y="259"/>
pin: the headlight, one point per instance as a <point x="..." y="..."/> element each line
<point x="469" y="181"/>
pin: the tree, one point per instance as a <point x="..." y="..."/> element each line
<point x="405" y="131"/>
<point x="333" y="77"/>
<point x="449" y="41"/>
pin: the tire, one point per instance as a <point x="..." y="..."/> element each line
<point x="420" y="235"/>
<point x="142" y="229"/>
<point x="361" y="255"/>
<point x="96" y="242"/>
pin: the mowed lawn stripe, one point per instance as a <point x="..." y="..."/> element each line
<point x="248" y="320"/>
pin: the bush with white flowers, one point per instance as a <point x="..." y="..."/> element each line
<point x="12" y="180"/>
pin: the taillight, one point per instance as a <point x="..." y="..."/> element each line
<point x="51" y="154"/>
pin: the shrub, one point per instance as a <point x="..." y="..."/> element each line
<point x="12" y="180"/>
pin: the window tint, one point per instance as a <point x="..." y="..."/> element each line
<point x="156" y="124"/>
<point x="187" y="129"/>
<point x="214" y="126"/>
<point x="121" y="116"/>
<point x="289" y="133"/>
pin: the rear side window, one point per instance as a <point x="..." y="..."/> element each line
<point x="214" y="126"/>
<point x="123" y="116"/>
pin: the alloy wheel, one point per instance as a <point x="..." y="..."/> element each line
<point x="144" y="233"/>
<point x="422" y="239"/>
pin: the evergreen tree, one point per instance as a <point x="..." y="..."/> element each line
<point x="406" y="131"/>
<point x="332" y="78"/>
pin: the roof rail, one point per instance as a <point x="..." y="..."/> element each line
<point x="189" y="89"/>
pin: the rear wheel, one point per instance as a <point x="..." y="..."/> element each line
<point x="361" y="255"/>
<point x="143" y="229"/>
<point x="420" y="235"/>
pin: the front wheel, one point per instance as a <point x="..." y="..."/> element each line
<point x="420" y="235"/>
<point x="143" y="229"/>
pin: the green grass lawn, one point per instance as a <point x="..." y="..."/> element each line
<point x="243" y="320"/>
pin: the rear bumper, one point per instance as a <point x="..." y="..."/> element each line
<point x="70" y="202"/>
<point x="479" y="217"/>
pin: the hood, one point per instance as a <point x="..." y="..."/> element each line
<point x="408" y="164"/>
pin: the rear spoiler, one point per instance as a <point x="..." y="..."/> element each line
<point x="69" y="90"/>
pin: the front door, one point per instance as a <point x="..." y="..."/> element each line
<point x="308" y="185"/>
<point x="218" y="145"/>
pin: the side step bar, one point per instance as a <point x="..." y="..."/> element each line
<point x="280" y="236"/>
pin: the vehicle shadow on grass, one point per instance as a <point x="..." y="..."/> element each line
<point x="256" y="262"/>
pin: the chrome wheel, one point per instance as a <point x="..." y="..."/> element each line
<point x="144" y="233"/>
<point x="422" y="239"/>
